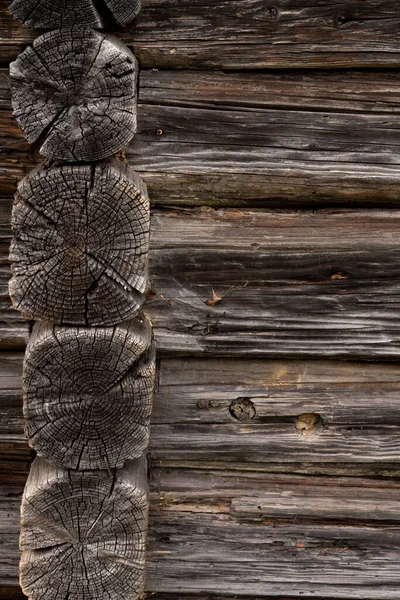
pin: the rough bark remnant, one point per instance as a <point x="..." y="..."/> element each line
<point x="83" y="534"/>
<point x="88" y="393"/>
<point x="80" y="246"/>
<point x="75" y="90"/>
<point x="51" y="14"/>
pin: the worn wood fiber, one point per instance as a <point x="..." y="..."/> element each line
<point x="251" y="34"/>
<point x="75" y="91"/>
<point x="80" y="247"/>
<point x="84" y="535"/>
<point x="196" y="421"/>
<point x="232" y="139"/>
<point x="50" y="14"/>
<point x="320" y="284"/>
<point x="88" y="393"/>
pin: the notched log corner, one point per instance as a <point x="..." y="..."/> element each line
<point x="83" y="535"/>
<point x="88" y="393"/>
<point x="75" y="91"/>
<point x="80" y="248"/>
<point x="52" y="14"/>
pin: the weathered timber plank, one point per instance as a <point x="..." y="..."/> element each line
<point x="250" y="34"/>
<point x="235" y="139"/>
<point x="322" y="537"/>
<point x="292" y="284"/>
<point x="193" y="424"/>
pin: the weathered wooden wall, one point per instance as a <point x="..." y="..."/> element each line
<point x="268" y="135"/>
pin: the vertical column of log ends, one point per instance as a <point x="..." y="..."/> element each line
<point x="79" y="272"/>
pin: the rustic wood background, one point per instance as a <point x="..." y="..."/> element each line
<point x="268" y="135"/>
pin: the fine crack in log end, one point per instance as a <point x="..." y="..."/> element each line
<point x="83" y="534"/>
<point x="88" y="393"/>
<point x="80" y="248"/>
<point x="53" y="14"/>
<point x="76" y="89"/>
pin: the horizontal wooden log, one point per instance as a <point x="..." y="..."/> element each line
<point x="48" y="14"/>
<point x="251" y="34"/>
<point x="88" y="393"/>
<point x="75" y="90"/>
<point x="196" y="421"/>
<point x="288" y="284"/>
<point x="311" y="537"/>
<point x="234" y="139"/>
<point x="80" y="247"/>
<point x="84" y="535"/>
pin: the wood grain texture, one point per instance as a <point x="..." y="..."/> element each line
<point x="88" y="393"/>
<point x="47" y="14"/>
<point x="84" y="535"/>
<point x="250" y="34"/>
<point x="292" y="284"/>
<point x="311" y="537"/>
<point x="193" y="424"/>
<point x="80" y="246"/>
<point x="271" y="140"/>
<point x="75" y="90"/>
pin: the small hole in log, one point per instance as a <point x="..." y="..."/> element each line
<point x="242" y="409"/>
<point x="272" y="13"/>
<point x="308" y="423"/>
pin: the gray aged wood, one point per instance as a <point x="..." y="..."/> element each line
<point x="52" y="14"/>
<point x="320" y="537"/>
<point x="80" y="247"/>
<point x="84" y="535"/>
<point x="193" y="426"/>
<point x="307" y="283"/>
<point x="88" y="393"/>
<point x="278" y="139"/>
<point x="75" y="91"/>
<point x="252" y="34"/>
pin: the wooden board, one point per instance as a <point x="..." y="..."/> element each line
<point x="292" y="284"/>
<point x="265" y="140"/>
<point x="193" y="425"/>
<point x="320" y="537"/>
<point x="251" y="34"/>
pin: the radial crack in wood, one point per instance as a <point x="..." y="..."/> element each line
<point x="83" y="535"/>
<point x="88" y="393"/>
<point x="80" y="246"/>
<point x="51" y="14"/>
<point x="76" y="89"/>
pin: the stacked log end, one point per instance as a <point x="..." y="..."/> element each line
<point x="79" y="271"/>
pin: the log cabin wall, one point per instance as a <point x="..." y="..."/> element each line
<point x="268" y="137"/>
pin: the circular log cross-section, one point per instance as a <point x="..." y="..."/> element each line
<point x="75" y="90"/>
<point x="83" y="534"/>
<point x="80" y="247"/>
<point x="88" y="393"/>
<point x="53" y="14"/>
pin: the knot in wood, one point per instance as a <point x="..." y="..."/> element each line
<point x="80" y="248"/>
<point x="242" y="409"/>
<point x="76" y="90"/>
<point x="53" y="14"/>
<point x="308" y="423"/>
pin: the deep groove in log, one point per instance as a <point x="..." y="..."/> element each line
<point x="88" y="393"/>
<point x="80" y="246"/>
<point x="52" y="14"/>
<point x="83" y="534"/>
<point x="77" y="88"/>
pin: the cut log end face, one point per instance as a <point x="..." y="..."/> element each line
<point x="75" y="90"/>
<point x="88" y="393"/>
<point x="83" y="536"/>
<point x="52" y="14"/>
<point x="80" y="247"/>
